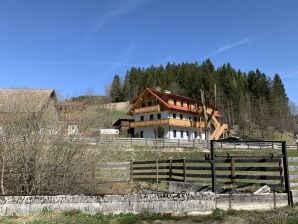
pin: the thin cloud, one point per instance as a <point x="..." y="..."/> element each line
<point x="113" y="63"/>
<point x="231" y="46"/>
<point x="119" y="8"/>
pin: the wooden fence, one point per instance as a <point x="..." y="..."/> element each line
<point x="178" y="143"/>
<point x="236" y="170"/>
<point x="255" y="145"/>
<point x="151" y="142"/>
<point x="293" y="169"/>
<point x="111" y="172"/>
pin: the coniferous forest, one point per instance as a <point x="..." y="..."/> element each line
<point x="248" y="101"/>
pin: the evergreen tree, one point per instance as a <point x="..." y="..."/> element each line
<point x="116" y="92"/>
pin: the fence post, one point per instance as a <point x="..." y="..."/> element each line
<point x="170" y="169"/>
<point x="184" y="170"/>
<point x="232" y="166"/>
<point x="157" y="171"/>
<point x="93" y="171"/>
<point x="212" y="161"/>
<point x="131" y="171"/>
<point x="281" y="170"/>
<point x="286" y="173"/>
<point x="130" y="141"/>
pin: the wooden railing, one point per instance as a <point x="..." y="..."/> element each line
<point x="186" y="123"/>
<point x="151" y="142"/>
<point x="148" y="109"/>
<point x="168" y="121"/>
<point x="236" y="170"/>
<point x="136" y="124"/>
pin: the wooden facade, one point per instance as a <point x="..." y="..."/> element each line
<point x="153" y="108"/>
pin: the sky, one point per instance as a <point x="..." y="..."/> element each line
<point x="77" y="46"/>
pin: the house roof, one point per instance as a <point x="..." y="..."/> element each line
<point x="163" y="98"/>
<point x="118" y="122"/>
<point x="24" y="100"/>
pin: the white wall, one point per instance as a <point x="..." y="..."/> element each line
<point x="164" y="115"/>
<point x="148" y="132"/>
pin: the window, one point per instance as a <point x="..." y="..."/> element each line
<point x="195" y="118"/>
<point x="181" y="134"/>
<point x="143" y="104"/>
<point x="158" y="116"/>
<point x="188" y="105"/>
<point x="187" y="133"/>
<point x="181" y="116"/>
<point x="174" y="133"/>
<point x="181" y="103"/>
<point x="149" y="104"/>
<point x="142" y="118"/>
<point x="189" y="118"/>
<point x="141" y="134"/>
<point x="196" y="134"/>
<point x="151" y="117"/>
<point x="174" y="116"/>
<point x="175" y="102"/>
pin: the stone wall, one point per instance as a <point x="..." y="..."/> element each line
<point x="265" y="201"/>
<point x="136" y="203"/>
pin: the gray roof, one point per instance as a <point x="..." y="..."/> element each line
<point x="24" y="100"/>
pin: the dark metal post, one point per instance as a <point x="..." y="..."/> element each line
<point x="170" y="169"/>
<point x="212" y="161"/>
<point x="131" y="171"/>
<point x="232" y="166"/>
<point x="157" y="173"/>
<point x="286" y="173"/>
<point x="184" y="170"/>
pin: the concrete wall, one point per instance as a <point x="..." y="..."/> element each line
<point x="251" y="201"/>
<point x="236" y="201"/>
<point x="136" y="203"/>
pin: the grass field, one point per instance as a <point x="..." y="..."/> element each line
<point x="278" y="216"/>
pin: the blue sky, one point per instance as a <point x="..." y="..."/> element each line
<point x="79" y="45"/>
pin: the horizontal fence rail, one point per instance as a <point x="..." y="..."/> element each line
<point x="192" y="143"/>
<point x="111" y="172"/>
<point x="250" y="170"/>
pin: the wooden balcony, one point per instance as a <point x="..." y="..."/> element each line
<point x="186" y="123"/>
<point x="148" y="109"/>
<point x="137" y="124"/>
<point x="170" y="122"/>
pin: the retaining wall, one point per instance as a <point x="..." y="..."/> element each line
<point x="265" y="201"/>
<point x="136" y="203"/>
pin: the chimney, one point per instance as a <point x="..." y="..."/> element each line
<point x="158" y="88"/>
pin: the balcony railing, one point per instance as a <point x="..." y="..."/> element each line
<point x="148" y="109"/>
<point x="136" y="124"/>
<point x="171" y="122"/>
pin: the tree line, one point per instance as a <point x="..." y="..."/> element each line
<point x="247" y="100"/>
